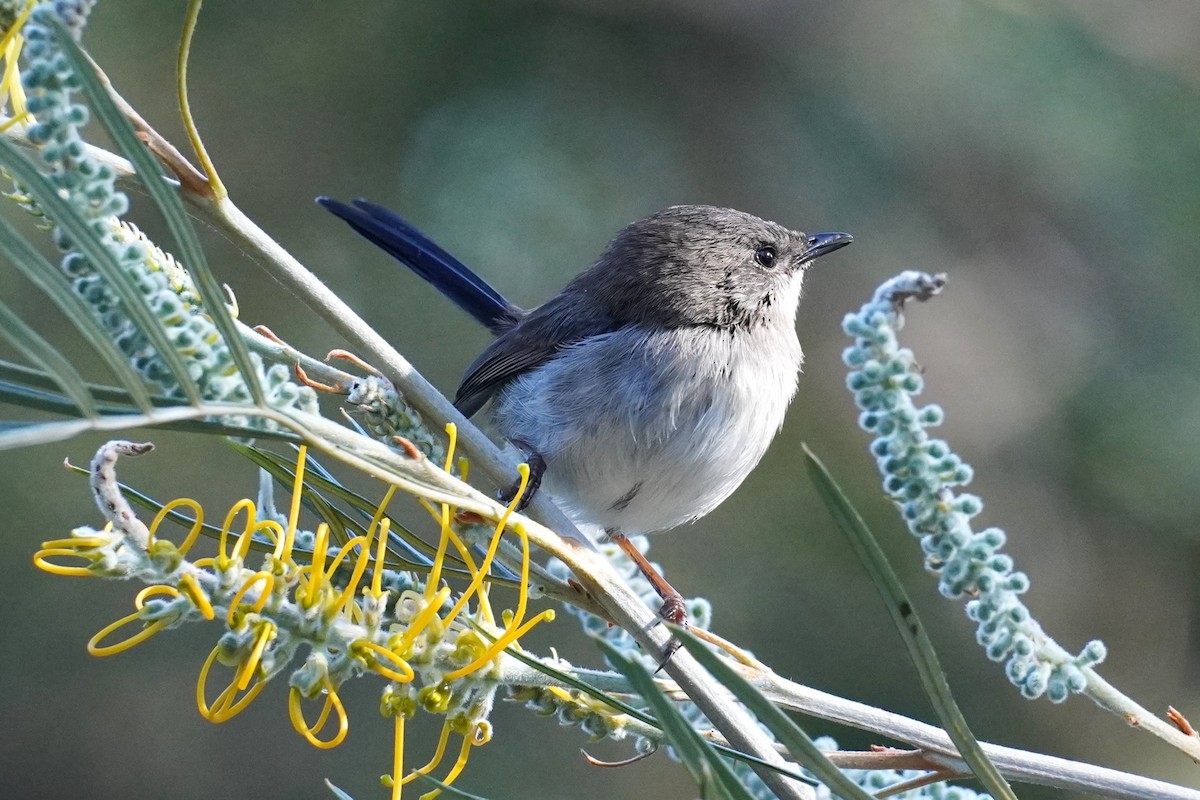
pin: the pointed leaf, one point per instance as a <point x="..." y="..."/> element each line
<point x="84" y="237"/>
<point x="710" y="772"/>
<point x="150" y="173"/>
<point x="912" y="632"/>
<point x="31" y="377"/>
<point x="780" y="724"/>
<point x="27" y="434"/>
<point x="338" y="793"/>
<point x="54" y="283"/>
<point x="28" y="341"/>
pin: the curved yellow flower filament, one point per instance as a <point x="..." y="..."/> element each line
<point x="397" y="758"/>
<point x="224" y="708"/>
<point x="71" y="548"/>
<point x="24" y="117"/>
<point x="234" y="616"/>
<point x="509" y="636"/>
<point x="439" y="558"/>
<point x="379" y="527"/>
<point x="77" y="542"/>
<point x="14" y="32"/>
<point x="139" y="600"/>
<point x="485" y="606"/>
<point x="283" y="549"/>
<point x="401" y="642"/>
<point x="270" y="527"/>
<point x="10" y="85"/>
<point x="346" y="597"/>
<point x="249" y="667"/>
<point x="372" y="653"/>
<point x="454" y="539"/>
<point x="523" y="591"/>
<point x="332" y="701"/>
<point x="476" y="738"/>
<point x="443" y="518"/>
<point x="193" y="532"/>
<point x="433" y="762"/>
<point x="242" y="545"/>
<point x="377" y="576"/>
<point x="420" y="621"/>
<point x="190" y="588"/>
<point x="452" y="436"/>
<point x="94" y="647"/>
<point x="310" y="593"/>
<point x="482" y="733"/>
<point x="477" y="581"/>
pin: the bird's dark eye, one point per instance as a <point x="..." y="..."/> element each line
<point x="765" y="256"/>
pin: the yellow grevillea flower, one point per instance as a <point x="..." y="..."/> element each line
<point x="305" y="596"/>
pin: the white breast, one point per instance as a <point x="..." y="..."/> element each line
<point x="644" y="430"/>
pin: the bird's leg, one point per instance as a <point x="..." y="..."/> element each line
<point x="537" y="468"/>
<point x="673" y="609"/>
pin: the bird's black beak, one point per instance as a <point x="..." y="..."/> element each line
<point x="820" y="244"/>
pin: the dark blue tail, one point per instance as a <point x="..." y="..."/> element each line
<point x="419" y="253"/>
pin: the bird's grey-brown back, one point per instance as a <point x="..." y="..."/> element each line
<point x="654" y="382"/>
<point x="686" y="266"/>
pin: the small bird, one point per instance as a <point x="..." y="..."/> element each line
<point x="649" y="387"/>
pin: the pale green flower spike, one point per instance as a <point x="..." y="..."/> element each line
<point x="920" y="474"/>
<point x="385" y="414"/>
<point x="90" y="188"/>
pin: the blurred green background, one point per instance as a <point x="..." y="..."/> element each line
<point x="1044" y="154"/>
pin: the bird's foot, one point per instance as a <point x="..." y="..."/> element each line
<point x="537" y="469"/>
<point x="674" y="610"/>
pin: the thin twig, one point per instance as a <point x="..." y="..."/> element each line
<point x="167" y="153"/>
<point x="934" y="752"/>
<point x="919" y="781"/>
<point x="1017" y="765"/>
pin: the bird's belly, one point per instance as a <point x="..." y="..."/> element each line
<point x="645" y="435"/>
<point x="646" y="481"/>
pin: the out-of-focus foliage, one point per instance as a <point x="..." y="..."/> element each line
<point x="1044" y="154"/>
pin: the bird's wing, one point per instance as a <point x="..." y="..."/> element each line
<point x="532" y="342"/>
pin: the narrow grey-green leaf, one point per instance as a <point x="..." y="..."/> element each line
<point x="84" y="237"/>
<point x="28" y="341"/>
<point x="165" y="197"/>
<point x="912" y="632"/>
<point x="283" y="470"/>
<point x="23" y="375"/>
<point x="38" y="399"/>
<point x="19" y="434"/>
<point x="41" y="399"/>
<point x="14" y="434"/>
<point x="710" y="772"/>
<point x="54" y="283"/>
<point x="338" y="793"/>
<point x="790" y="735"/>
